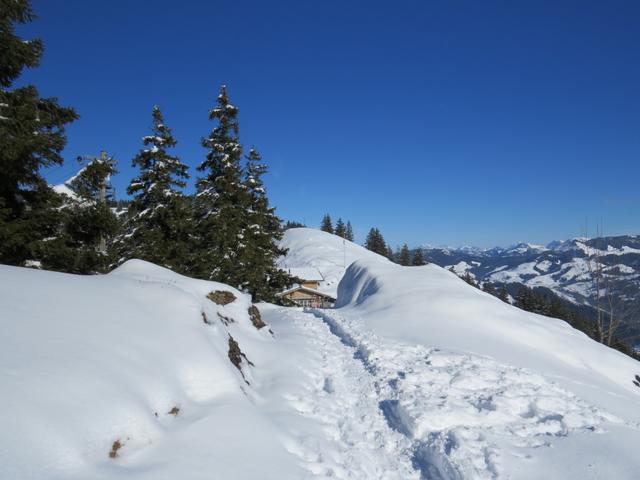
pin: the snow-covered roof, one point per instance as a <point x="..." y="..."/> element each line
<point x="307" y="290"/>
<point x="311" y="274"/>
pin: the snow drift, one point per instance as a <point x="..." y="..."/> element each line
<point x="329" y="254"/>
<point x="479" y="388"/>
<point x="88" y="361"/>
<point x="485" y="389"/>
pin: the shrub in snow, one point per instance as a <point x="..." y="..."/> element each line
<point x="221" y="297"/>
<point x="256" y="318"/>
<point x="114" y="449"/>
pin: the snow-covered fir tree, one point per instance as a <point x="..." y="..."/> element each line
<point x="157" y="226"/>
<point x="261" y="278"/>
<point x="221" y="201"/>
<point x="235" y="229"/>
<point x="32" y="136"/>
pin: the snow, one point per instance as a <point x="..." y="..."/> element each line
<point x="479" y="388"/>
<point x="485" y="389"/>
<point x="544" y="265"/>
<point x="515" y="274"/>
<point x="327" y="253"/>
<point x="461" y="268"/>
<point x="416" y="375"/>
<point x="592" y="251"/>
<point x="64" y="189"/>
<point x="306" y="273"/>
<point x="86" y="361"/>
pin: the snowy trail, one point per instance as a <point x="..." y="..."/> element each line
<point x="340" y="431"/>
<point x="465" y="416"/>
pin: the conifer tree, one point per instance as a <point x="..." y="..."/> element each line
<point x="375" y="242"/>
<point x="262" y="278"/>
<point x="418" y="258"/>
<point x="157" y="227"/>
<point x="488" y="287"/>
<point x="293" y="224"/>
<point x="404" y="256"/>
<point x="467" y="277"/>
<point x="348" y="234"/>
<point x="340" y="229"/>
<point x="326" y="225"/>
<point x="84" y="245"/>
<point x="390" y="253"/>
<point x="220" y="204"/>
<point x="503" y="294"/>
<point x="32" y="136"/>
<point x="524" y="299"/>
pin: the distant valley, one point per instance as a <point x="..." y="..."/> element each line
<point x="567" y="268"/>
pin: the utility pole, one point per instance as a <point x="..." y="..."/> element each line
<point x="344" y="253"/>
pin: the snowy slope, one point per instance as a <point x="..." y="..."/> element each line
<point x="328" y="253"/>
<point x="416" y="376"/>
<point x="482" y="389"/>
<point x="86" y="361"/>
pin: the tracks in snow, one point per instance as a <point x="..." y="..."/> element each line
<point x="338" y="396"/>
<point x="462" y="413"/>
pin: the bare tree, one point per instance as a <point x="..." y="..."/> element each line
<point x="612" y="309"/>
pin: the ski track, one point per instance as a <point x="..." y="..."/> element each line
<point x="455" y="409"/>
<point x="341" y="395"/>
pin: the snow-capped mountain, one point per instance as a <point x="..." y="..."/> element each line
<point x="564" y="267"/>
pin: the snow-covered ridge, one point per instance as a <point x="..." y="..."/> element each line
<point x="329" y="254"/>
<point x="483" y="389"/>
<point x="416" y="375"/>
<point x="140" y="357"/>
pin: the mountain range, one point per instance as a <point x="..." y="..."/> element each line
<point x="567" y="268"/>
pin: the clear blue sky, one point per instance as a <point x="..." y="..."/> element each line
<point x="448" y="122"/>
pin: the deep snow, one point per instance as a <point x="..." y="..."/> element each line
<point x="88" y="360"/>
<point x="481" y="388"/>
<point x="415" y="375"/>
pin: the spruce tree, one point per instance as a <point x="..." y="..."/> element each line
<point x="404" y="256"/>
<point x="262" y="278"/>
<point x="340" y="229"/>
<point x="221" y="201"/>
<point x="293" y="224"/>
<point x="32" y="136"/>
<point x="389" y="253"/>
<point x="348" y="234"/>
<point x="467" y="277"/>
<point x="326" y="225"/>
<point x="488" y="287"/>
<point x="157" y="227"/>
<point x="503" y="294"/>
<point x="524" y="299"/>
<point x="375" y="242"/>
<point x="418" y="258"/>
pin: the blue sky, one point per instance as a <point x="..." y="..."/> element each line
<point x="443" y="122"/>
